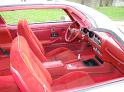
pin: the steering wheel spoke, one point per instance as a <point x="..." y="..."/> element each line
<point x="70" y="36"/>
<point x="71" y="32"/>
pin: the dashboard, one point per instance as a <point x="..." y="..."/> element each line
<point x="92" y="36"/>
<point x="95" y="40"/>
<point x="106" y="47"/>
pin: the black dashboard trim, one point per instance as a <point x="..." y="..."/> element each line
<point x="109" y="31"/>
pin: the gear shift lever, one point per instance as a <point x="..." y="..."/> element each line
<point x="79" y="57"/>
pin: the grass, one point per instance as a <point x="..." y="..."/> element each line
<point x="33" y="16"/>
<point x="115" y="13"/>
<point x="43" y="15"/>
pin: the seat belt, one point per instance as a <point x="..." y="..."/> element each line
<point x="5" y="52"/>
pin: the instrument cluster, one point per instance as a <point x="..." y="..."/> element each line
<point x="92" y="35"/>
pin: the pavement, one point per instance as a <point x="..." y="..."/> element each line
<point x="120" y="24"/>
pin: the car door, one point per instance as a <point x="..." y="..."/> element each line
<point x="49" y="25"/>
<point x="50" y="31"/>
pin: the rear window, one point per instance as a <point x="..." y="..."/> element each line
<point x="35" y="16"/>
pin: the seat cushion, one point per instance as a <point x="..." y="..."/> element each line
<point x="62" y="53"/>
<point x="72" y="80"/>
<point x="4" y="63"/>
<point x="4" y="66"/>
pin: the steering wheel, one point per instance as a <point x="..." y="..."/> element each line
<point x="72" y="32"/>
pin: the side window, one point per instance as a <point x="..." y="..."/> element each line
<point x="35" y="16"/>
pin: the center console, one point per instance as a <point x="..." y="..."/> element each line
<point x="92" y="65"/>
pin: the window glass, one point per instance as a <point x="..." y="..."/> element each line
<point x="35" y="15"/>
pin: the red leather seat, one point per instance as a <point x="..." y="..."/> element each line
<point x="5" y="35"/>
<point x="7" y="84"/>
<point x="61" y="53"/>
<point x="5" y="44"/>
<point x="31" y="76"/>
<point x="4" y="66"/>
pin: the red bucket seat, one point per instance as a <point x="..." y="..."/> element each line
<point x="61" y="53"/>
<point x="31" y="76"/>
<point x="5" y="44"/>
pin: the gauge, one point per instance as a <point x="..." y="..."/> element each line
<point x="91" y="34"/>
<point x="84" y="31"/>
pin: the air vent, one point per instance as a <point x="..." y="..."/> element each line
<point x="85" y="30"/>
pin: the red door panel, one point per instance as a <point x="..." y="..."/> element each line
<point x="43" y="31"/>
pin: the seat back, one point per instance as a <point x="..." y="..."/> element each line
<point x="5" y="36"/>
<point x="27" y="70"/>
<point x="34" y="43"/>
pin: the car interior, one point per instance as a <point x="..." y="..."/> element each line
<point x="50" y="57"/>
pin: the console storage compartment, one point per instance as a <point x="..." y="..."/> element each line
<point x="90" y="63"/>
